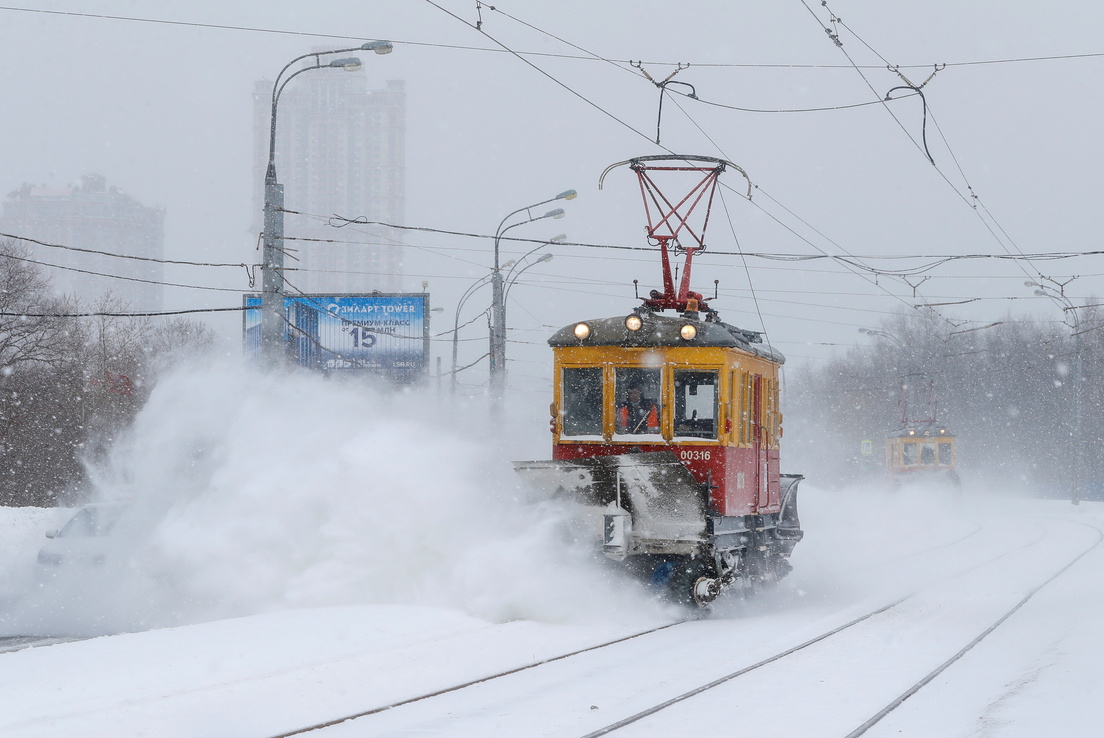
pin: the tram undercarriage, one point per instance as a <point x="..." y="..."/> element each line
<point x="648" y="511"/>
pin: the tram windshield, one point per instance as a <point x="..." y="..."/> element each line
<point x="582" y="401"/>
<point x="638" y="405"/>
<point x="696" y="404"/>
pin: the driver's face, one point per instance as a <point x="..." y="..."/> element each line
<point x="634" y="395"/>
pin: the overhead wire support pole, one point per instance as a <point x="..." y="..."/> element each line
<point x="1073" y="322"/>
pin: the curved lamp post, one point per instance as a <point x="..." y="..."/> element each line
<point x="512" y="275"/>
<point x="272" y="264"/>
<point x="498" y="311"/>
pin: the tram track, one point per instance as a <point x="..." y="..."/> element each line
<point x="480" y="680"/>
<point x="892" y="705"/>
<point x="703" y="688"/>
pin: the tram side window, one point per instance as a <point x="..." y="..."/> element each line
<point x="582" y="401"/>
<point x="639" y="406"/>
<point x="696" y="404"/>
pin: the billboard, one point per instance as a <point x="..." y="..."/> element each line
<point x="378" y="333"/>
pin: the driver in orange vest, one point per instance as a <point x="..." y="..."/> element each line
<point x="637" y="414"/>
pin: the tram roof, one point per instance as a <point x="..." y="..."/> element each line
<point x="664" y="330"/>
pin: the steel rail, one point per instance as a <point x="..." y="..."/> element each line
<point x="481" y="680"/>
<point x="972" y="644"/>
<point x="812" y="641"/>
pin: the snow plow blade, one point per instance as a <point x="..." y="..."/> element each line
<point x="666" y="503"/>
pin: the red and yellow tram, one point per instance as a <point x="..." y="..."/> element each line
<point x="668" y="426"/>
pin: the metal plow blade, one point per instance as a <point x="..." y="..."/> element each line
<point x="666" y="503"/>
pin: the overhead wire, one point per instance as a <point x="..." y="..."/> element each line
<point x="91" y="273"/>
<point x="521" y="55"/>
<point x="464" y="47"/>
<point x="835" y="37"/>
<point x="974" y="201"/>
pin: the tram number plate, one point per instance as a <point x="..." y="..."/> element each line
<point x="694" y="454"/>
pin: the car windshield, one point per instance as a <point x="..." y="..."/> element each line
<point x="94" y="520"/>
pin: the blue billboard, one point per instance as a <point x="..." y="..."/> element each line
<point x="379" y="333"/>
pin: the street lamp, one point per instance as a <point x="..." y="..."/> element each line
<point x="498" y="303"/>
<point x="509" y="280"/>
<point x="272" y="260"/>
<point x="1057" y="292"/>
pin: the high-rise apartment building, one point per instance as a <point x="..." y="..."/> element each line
<point x="99" y="221"/>
<point x="340" y="150"/>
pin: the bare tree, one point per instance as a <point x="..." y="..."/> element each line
<point x="69" y="385"/>
<point x="30" y="332"/>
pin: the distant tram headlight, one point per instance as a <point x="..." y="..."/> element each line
<point x="582" y="331"/>
<point x="633" y="322"/>
<point x="688" y="332"/>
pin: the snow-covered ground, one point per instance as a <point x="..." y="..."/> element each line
<point x="299" y="555"/>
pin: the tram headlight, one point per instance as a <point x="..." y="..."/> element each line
<point x="582" y="331"/>
<point x="633" y="322"/>
<point x="688" y="332"/>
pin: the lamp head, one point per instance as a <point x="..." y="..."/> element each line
<point x="566" y="195"/>
<point x="558" y="239"/>
<point x="557" y="213"/>
<point x="348" y="63"/>
<point x="546" y="257"/>
<point x="380" y="47"/>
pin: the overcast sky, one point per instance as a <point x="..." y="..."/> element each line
<point x="163" y="111"/>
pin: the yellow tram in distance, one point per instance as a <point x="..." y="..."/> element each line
<point x="921" y="453"/>
<point x="666" y="424"/>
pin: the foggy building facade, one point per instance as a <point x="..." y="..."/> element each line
<point x="103" y="220"/>
<point x="340" y="150"/>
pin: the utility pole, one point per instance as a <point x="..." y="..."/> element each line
<point x="273" y="330"/>
<point x="1057" y="292"/>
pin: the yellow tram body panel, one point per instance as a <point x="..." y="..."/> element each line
<point x="705" y="391"/>
<point x="736" y="371"/>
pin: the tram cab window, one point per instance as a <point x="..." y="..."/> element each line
<point x="582" y="401"/>
<point x="927" y="454"/>
<point x="696" y="404"/>
<point x="908" y="453"/>
<point x="638" y="406"/>
<point x="945" y="454"/>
